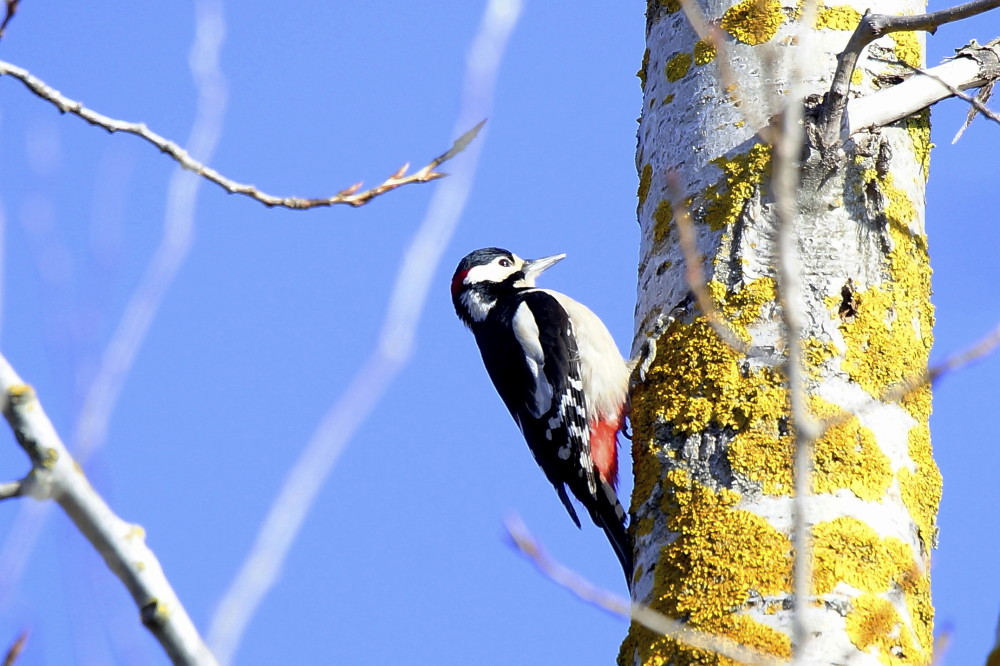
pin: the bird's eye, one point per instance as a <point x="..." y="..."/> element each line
<point x="506" y="263"/>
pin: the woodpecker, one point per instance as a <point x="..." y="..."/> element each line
<point x="560" y="374"/>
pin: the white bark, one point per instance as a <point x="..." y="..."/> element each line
<point x="921" y="91"/>
<point x="713" y="506"/>
<point x="56" y="475"/>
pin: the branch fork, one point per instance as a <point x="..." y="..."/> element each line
<point x="871" y="27"/>
<point x="57" y="476"/>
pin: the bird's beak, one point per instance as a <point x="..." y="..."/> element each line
<point x="534" y="267"/>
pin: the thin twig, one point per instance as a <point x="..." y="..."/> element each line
<point x="983" y="347"/>
<point x="871" y="27"/>
<point x="977" y="104"/>
<point x="259" y="571"/>
<point x="953" y="363"/>
<point x="693" y="272"/>
<point x="8" y="15"/>
<point x="995" y="652"/>
<point x="16" y="648"/>
<point x="58" y="477"/>
<point x="175" y="239"/>
<point x="525" y="543"/>
<point x="974" y="66"/>
<point x="785" y="185"/>
<point x="350" y="196"/>
<point x="941" y="644"/>
<point x="11" y="489"/>
<point x="119" y="355"/>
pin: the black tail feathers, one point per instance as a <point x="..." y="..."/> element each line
<point x="609" y="515"/>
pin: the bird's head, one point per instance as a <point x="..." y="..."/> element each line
<point x="490" y="273"/>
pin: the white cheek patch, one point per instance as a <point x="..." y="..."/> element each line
<point x="477" y="306"/>
<point x="493" y="271"/>
<point x="526" y="332"/>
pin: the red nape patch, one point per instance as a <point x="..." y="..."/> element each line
<point x="604" y="450"/>
<point x="457" y="281"/>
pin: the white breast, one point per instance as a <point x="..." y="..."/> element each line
<point x="603" y="370"/>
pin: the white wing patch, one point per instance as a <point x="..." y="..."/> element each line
<point x="526" y="332"/>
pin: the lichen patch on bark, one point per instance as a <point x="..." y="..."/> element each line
<point x="743" y="174"/>
<point x="837" y="17"/>
<point x="722" y="557"/>
<point x="753" y="21"/>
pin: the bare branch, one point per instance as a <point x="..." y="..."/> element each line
<point x="985" y="346"/>
<point x="8" y="15"/>
<point x="961" y="359"/>
<point x="179" y="217"/>
<point x="693" y="273"/>
<point x="978" y="103"/>
<point x="995" y="652"/>
<point x="871" y="27"/>
<point x="941" y="644"/>
<point x="350" y="196"/>
<point x="785" y="184"/>
<point x="525" y="543"/>
<point x="11" y="489"/>
<point x="973" y="66"/>
<point x="57" y="476"/>
<point x="16" y="648"/>
<point x="260" y="569"/>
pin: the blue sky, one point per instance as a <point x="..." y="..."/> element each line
<point x="402" y="559"/>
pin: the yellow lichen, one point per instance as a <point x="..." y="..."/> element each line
<point x="668" y="99"/>
<point x="742" y="175"/>
<point x="763" y="455"/>
<point x="678" y="66"/>
<point x="889" y="338"/>
<point x="753" y="21"/>
<point x="721" y="558"/>
<point x="642" y="70"/>
<point x="921" y="487"/>
<point x="696" y="379"/>
<point x="847" y="456"/>
<point x="19" y="390"/>
<point x="838" y="17"/>
<point x="645" y="180"/>
<point x="874" y="623"/>
<point x="918" y="602"/>
<point x="663" y="216"/>
<point x="644" y="527"/>
<point x="704" y="52"/>
<point x="49" y="457"/>
<point x="908" y="48"/>
<point x="847" y="550"/>
<point x="816" y="354"/>
<point x="645" y="465"/>
<point x="672" y="6"/>
<point x="919" y="127"/>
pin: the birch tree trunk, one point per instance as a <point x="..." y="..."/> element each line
<point x="714" y="443"/>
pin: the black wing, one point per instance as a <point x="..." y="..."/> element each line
<point x="536" y="370"/>
<point x="535" y="367"/>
